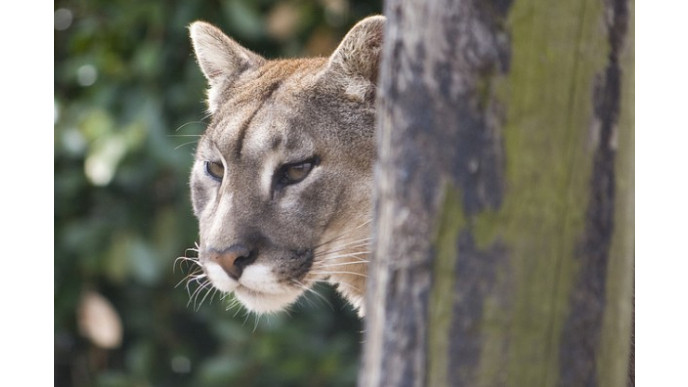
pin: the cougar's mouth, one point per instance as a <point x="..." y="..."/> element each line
<point x="264" y="288"/>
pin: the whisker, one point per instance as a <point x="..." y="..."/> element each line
<point x="195" y="276"/>
<point x="246" y="318"/>
<point x="357" y="250"/>
<point x="334" y="257"/>
<point x="255" y="325"/>
<point x="339" y="264"/>
<point x="310" y="290"/>
<point x="194" y="296"/>
<point x="205" y="288"/>
<point x="343" y="248"/>
<point x="338" y="272"/>
<point x="235" y="304"/>
<point x="353" y="260"/>
<point x="180" y="260"/>
<point x="206" y="295"/>
<point x="307" y="299"/>
<point x="343" y="237"/>
<point x="349" y="286"/>
<point x="215" y="290"/>
<point x="204" y="285"/>
<point x="189" y="123"/>
<point x="189" y="277"/>
<point x="199" y="279"/>
<point x="185" y="144"/>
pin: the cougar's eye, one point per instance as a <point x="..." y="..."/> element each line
<point x="295" y="172"/>
<point x="215" y="170"/>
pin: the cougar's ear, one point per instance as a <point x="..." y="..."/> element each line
<point x="358" y="55"/>
<point x="219" y="57"/>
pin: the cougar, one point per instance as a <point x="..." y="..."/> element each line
<point x="283" y="174"/>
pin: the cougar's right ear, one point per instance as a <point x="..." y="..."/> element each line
<point x="220" y="58"/>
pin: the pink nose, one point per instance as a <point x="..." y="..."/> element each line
<point x="233" y="259"/>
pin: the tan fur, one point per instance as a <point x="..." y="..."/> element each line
<point x="263" y="236"/>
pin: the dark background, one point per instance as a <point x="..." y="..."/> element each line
<point x="129" y="104"/>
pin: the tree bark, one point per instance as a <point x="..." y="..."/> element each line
<point x="504" y="220"/>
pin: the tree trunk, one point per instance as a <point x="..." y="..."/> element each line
<point x="504" y="250"/>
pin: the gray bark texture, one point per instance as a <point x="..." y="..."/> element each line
<point x="504" y="218"/>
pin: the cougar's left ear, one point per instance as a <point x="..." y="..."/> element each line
<point x="358" y="55"/>
<point x="221" y="59"/>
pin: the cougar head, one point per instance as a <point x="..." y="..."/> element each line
<point x="282" y="180"/>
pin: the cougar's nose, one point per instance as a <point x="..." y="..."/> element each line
<point x="233" y="259"/>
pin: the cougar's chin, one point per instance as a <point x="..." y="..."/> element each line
<point x="257" y="288"/>
<point x="260" y="302"/>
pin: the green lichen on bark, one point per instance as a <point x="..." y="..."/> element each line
<point x="556" y="53"/>
<point x="451" y="221"/>
<point x="531" y="237"/>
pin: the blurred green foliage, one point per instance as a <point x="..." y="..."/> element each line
<point x="128" y="108"/>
